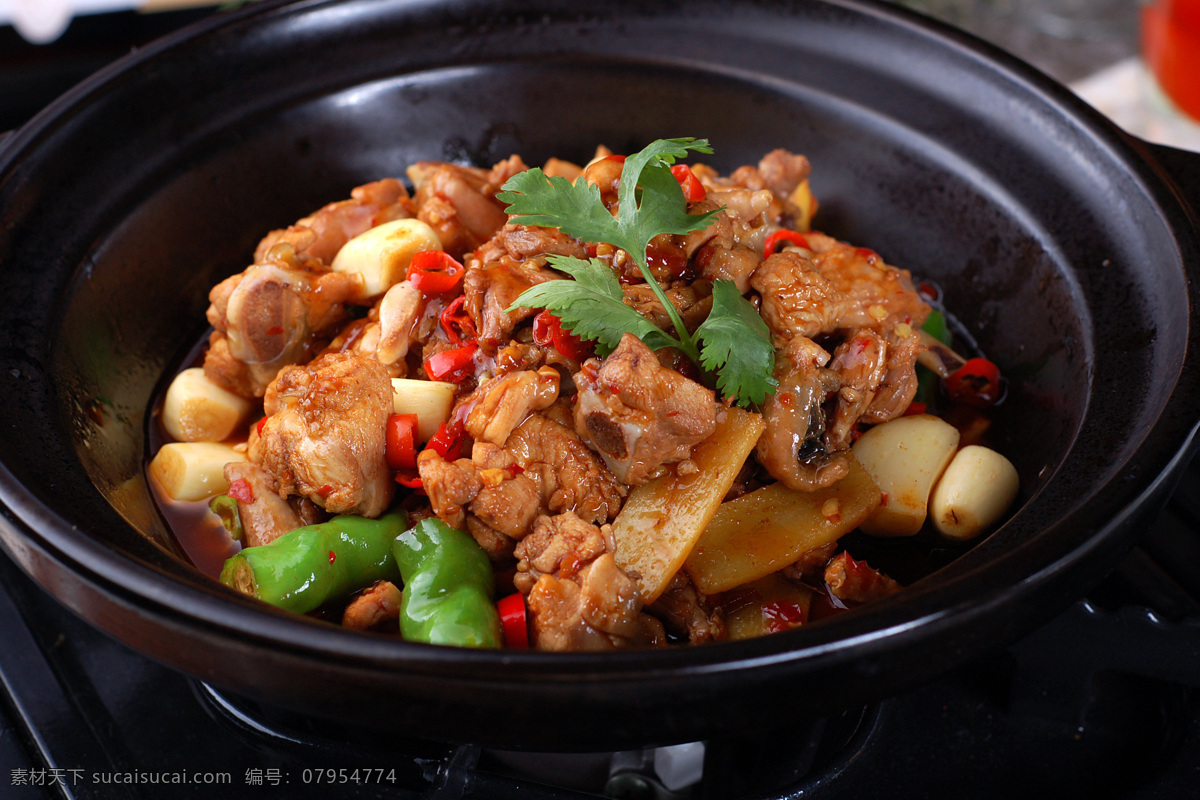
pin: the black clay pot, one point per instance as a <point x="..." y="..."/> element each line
<point x="1069" y="249"/>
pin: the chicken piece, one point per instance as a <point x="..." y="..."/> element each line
<point x="782" y="171"/>
<point x="792" y="447"/>
<point x="571" y="477"/>
<point x="323" y="437"/>
<point x="878" y="382"/>
<point x="861" y="363"/>
<point x="730" y="248"/>
<point x="857" y="582"/>
<point x="899" y="385"/>
<point x="797" y="299"/>
<point x="685" y="612"/>
<point x="398" y="310"/>
<point x="693" y="303"/>
<point x="809" y="568"/>
<point x="450" y="485"/>
<point x="579" y="599"/>
<point x="508" y="500"/>
<point x="319" y="236"/>
<point x="491" y="284"/>
<point x="273" y="314"/>
<point x="638" y="415"/>
<point x="460" y="203"/>
<point x="523" y="242"/>
<point x="503" y="403"/>
<point x="379" y="604"/>
<point x="880" y="296"/>
<point x="491" y="495"/>
<point x="265" y="516"/>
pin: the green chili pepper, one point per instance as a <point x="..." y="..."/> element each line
<point x="226" y="508"/>
<point x="935" y="326"/>
<point x="448" y="587"/>
<point x="309" y="566"/>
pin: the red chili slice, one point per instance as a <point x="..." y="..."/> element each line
<point x="514" y="620"/>
<point x="549" y="332"/>
<point x="448" y="441"/>
<point x="693" y="190"/>
<point x="452" y="366"/>
<point x="783" y="614"/>
<point x="976" y="383"/>
<point x="241" y="491"/>
<point x="434" y="271"/>
<point x="779" y="237"/>
<point x="409" y="478"/>
<point x="401" y="441"/>
<point x="456" y="322"/>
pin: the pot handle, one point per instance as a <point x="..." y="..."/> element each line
<point x="1182" y="170"/>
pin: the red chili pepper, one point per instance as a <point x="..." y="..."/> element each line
<point x="781" y="236"/>
<point x="332" y="556"/>
<point x="410" y="479"/>
<point x="914" y="408"/>
<point x="401" y="441"/>
<point x="434" y="271"/>
<point x="447" y="442"/>
<point x="693" y="190"/>
<point x="259" y="426"/>
<point x="452" y="366"/>
<point x="549" y="332"/>
<point x="514" y="620"/>
<point x="976" y="383"/>
<point x="783" y="614"/>
<point x="456" y="322"/>
<point x="241" y="491"/>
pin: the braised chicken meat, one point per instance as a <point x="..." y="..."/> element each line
<point x="630" y="403"/>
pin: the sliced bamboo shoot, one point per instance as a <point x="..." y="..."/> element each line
<point x="662" y="519"/>
<point x="764" y="531"/>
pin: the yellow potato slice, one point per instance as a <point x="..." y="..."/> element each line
<point x="662" y="519"/>
<point x="762" y="532"/>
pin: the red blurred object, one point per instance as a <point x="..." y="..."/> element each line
<point x="1171" y="48"/>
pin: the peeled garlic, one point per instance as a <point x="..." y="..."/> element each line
<point x="198" y="410"/>
<point x="381" y="254"/>
<point x="193" y="470"/>
<point x="976" y="489"/>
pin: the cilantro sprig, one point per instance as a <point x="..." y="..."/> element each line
<point x="733" y="342"/>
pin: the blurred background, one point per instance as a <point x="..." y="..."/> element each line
<point x="1100" y="48"/>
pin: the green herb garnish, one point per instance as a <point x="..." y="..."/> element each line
<point x="733" y="342"/>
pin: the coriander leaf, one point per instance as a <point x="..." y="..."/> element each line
<point x="574" y="208"/>
<point x="592" y="306"/>
<point x="737" y="346"/>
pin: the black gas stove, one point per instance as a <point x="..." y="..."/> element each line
<point x="1101" y="702"/>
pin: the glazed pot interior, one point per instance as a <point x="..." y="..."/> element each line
<point x="1050" y="249"/>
